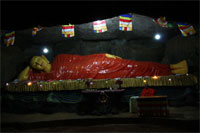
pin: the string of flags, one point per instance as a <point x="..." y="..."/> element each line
<point x="68" y="30"/>
<point x="161" y="21"/>
<point x="99" y="26"/>
<point x="35" y="30"/>
<point x="186" y="29"/>
<point x="125" y="24"/>
<point x="9" y="38"/>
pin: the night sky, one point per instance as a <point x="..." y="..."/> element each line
<point x="22" y="15"/>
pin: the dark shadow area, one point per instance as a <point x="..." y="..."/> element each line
<point x="103" y="124"/>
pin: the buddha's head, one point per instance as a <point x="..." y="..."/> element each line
<point x="39" y="63"/>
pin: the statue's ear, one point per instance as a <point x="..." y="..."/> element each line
<point x="45" y="58"/>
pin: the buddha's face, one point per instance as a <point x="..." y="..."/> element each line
<point x="37" y="62"/>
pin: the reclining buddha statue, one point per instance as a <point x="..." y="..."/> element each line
<point x="95" y="66"/>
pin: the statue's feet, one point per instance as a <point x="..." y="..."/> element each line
<point x="112" y="56"/>
<point x="179" y="68"/>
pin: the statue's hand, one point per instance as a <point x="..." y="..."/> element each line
<point x="24" y="74"/>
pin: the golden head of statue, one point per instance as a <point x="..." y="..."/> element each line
<point x="40" y="63"/>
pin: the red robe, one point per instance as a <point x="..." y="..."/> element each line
<point x="147" y="92"/>
<point x="98" y="66"/>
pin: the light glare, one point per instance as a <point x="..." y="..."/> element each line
<point x="29" y="83"/>
<point x="155" y="77"/>
<point x="157" y="37"/>
<point x="45" y="50"/>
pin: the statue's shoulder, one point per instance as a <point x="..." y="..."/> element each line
<point x="62" y="55"/>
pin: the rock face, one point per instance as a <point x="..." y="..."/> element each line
<point x="138" y="44"/>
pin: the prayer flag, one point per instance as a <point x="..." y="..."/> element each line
<point x="67" y="31"/>
<point x="125" y="22"/>
<point x="36" y="29"/>
<point x="186" y="29"/>
<point x="39" y="28"/>
<point x="161" y="21"/>
<point x="99" y="26"/>
<point x="9" y="38"/>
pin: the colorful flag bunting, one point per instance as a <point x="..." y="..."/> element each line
<point x="161" y="21"/>
<point x="36" y="29"/>
<point x="186" y="29"/>
<point x="67" y="31"/>
<point x="125" y="22"/>
<point x="39" y="28"/>
<point x="100" y="26"/>
<point x="9" y="38"/>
